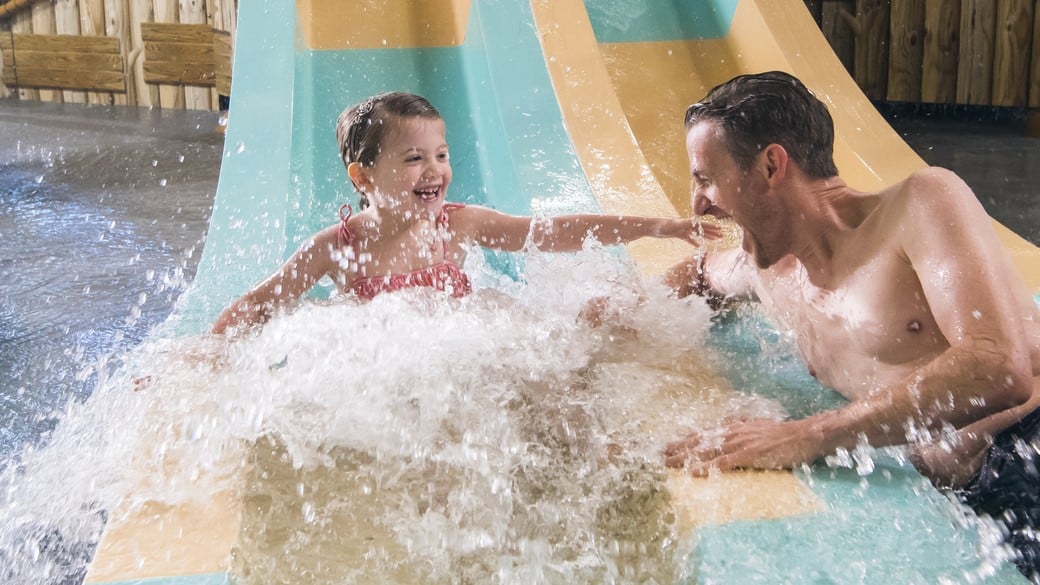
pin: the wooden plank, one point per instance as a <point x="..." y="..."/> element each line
<point x="223" y="17"/>
<point x="193" y="12"/>
<point x="906" y="31"/>
<point x="117" y="17"/>
<point x="179" y="73"/>
<point x="63" y="43"/>
<point x="222" y="62"/>
<point x="975" y="61"/>
<point x="157" y="32"/>
<point x="194" y="52"/>
<point x="66" y="22"/>
<point x="92" y="23"/>
<point x="141" y="11"/>
<point x="1034" y="77"/>
<point x="836" y="29"/>
<point x="1012" y="52"/>
<point x="64" y="78"/>
<point x="939" y="66"/>
<point x="43" y="23"/>
<point x="870" y="65"/>
<point x="4" y="91"/>
<point x="22" y="23"/>
<point x="170" y="96"/>
<point x="64" y="60"/>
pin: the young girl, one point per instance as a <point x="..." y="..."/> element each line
<point x="406" y="234"/>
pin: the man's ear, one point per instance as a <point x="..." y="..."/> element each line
<point x="775" y="159"/>
<point x="359" y="176"/>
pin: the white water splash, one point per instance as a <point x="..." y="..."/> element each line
<point x="497" y="438"/>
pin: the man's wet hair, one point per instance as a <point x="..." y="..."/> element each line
<point x="756" y="110"/>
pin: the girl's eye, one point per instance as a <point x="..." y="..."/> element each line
<point x="443" y="156"/>
<point x="413" y="158"/>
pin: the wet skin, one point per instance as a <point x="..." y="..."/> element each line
<point x="902" y="300"/>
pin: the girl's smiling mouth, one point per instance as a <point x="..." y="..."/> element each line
<point x="428" y="193"/>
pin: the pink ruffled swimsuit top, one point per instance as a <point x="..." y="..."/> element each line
<point x="444" y="276"/>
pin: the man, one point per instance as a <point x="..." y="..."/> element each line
<point x="902" y="300"/>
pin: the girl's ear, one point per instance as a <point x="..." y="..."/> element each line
<point x="359" y="176"/>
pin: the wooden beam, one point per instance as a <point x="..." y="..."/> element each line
<point x="1034" y="76"/>
<point x="58" y="78"/>
<point x="158" y="32"/>
<point x="870" y="66"/>
<point x="906" y="29"/>
<point x="939" y="66"/>
<point x="179" y="54"/>
<point x="22" y="23"/>
<point x="62" y="43"/>
<point x="170" y="96"/>
<point x="63" y="62"/>
<point x="837" y="30"/>
<point x="975" y="62"/>
<point x="222" y="61"/>
<point x="116" y="17"/>
<point x="92" y="23"/>
<point x="179" y="73"/>
<point x="66" y="22"/>
<point x="1011" y="56"/>
<point x="141" y="11"/>
<point x="43" y="24"/>
<point x="194" y="12"/>
<point x="44" y="60"/>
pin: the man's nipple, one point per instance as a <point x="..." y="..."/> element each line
<point x="913" y="326"/>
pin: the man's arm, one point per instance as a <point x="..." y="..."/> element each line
<point x="716" y="275"/>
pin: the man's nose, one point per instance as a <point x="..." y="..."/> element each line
<point x="701" y="204"/>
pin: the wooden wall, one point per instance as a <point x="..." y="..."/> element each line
<point x="972" y="52"/>
<point x="978" y="52"/>
<point x="119" y="18"/>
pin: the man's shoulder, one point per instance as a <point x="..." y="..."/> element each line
<point x="926" y="191"/>
<point x="931" y="182"/>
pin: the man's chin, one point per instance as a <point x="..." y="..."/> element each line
<point x="749" y="247"/>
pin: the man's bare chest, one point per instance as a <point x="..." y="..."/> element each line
<point x="873" y="326"/>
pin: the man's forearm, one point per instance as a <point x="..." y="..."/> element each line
<point x="959" y="387"/>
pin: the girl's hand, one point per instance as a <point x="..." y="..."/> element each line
<point x="691" y="230"/>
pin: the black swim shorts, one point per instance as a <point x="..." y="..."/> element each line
<point x="1007" y="488"/>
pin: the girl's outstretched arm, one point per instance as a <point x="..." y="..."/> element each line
<point x="567" y="233"/>
<point x="307" y="265"/>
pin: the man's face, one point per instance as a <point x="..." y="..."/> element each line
<point x="724" y="190"/>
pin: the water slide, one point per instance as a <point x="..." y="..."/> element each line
<point x="552" y="106"/>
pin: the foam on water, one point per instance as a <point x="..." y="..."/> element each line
<point x="496" y="438"/>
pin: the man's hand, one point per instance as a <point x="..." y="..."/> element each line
<point x="753" y="444"/>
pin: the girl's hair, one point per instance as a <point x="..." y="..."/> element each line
<point x="361" y="128"/>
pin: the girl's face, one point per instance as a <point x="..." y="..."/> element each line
<point x="412" y="172"/>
